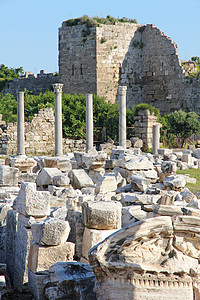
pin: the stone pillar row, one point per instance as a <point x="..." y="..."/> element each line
<point x="58" y="120"/>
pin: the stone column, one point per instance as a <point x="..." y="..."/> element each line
<point x="20" y="124"/>
<point x="89" y="122"/>
<point x="58" y="119"/>
<point x="156" y="138"/>
<point x="122" y="115"/>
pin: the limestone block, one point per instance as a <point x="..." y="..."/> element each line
<point x="152" y="175"/>
<point x="50" y="232"/>
<point x="61" y="163"/>
<point x="102" y="214"/>
<point x="168" y="210"/>
<point x="139" y="183"/>
<point x="137" y="163"/>
<point x="106" y="183"/>
<point x="96" y="174"/>
<point x="8" y="176"/>
<point x="168" y="167"/>
<point x="24" y="164"/>
<point x="36" y="284"/>
<point x="45" y="177"/>
<point x="31" y="202"/>
<point x="42" y="258"/>
<point x="59" y="212"/>
<point x="174" y="181"/>
<point x="131" y="214"/>
<point x="70" y="280"/>
<point x="27" y="177"/>
<point x="138" y="198"/>
<point x="136" y="142"/>
<point x="187" y="195"/>
<point x="21" y="254"/>
<point x="11" y="232"/>
<point x="92" y="237"/>
<point x="94" y="160"/>
<point x="61" y="180"/>
<point x="79" y="179"/>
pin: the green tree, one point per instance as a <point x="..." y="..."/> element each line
<point x="181" y="124"/>
<point x="8" y="74"/>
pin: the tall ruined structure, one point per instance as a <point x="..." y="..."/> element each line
<point x="97" y="59"/>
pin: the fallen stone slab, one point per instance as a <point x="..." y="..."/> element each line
<point x="139" y="183"/>
<point x="174" y="181"/>
<point x="80" y="179"/>
<point x="102" y="214"/>
<point x="61" y="163"/>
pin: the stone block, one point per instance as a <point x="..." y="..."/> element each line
<point x="174" y="181"/>
<point x="168" y="167"/>
<point x="50" y="232"/>
<point x="36" y="284"/>
<point x="61" y="163"/>
<point x="42" y="258"/>
<point x="80" y="179"/>
<point x="31" y="202"/>
<point x="102" y="214"/>
<point x="8" y="176"/>
<point x="105" y="184"/>
<point x="92" y="237"/>
<point x="139" y="183"/>
<point x="24" y="164"/>
<point x="61" y="180"/>
<point x="70" y="280"/>
<point x="45" y="177"/>
<point x="21" y="255"/>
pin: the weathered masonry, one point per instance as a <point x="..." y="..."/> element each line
<point x="98" y="59"/>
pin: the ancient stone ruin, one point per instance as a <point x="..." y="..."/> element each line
<point x="92" y="225"/>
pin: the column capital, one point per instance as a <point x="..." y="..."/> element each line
<point x="57" y="87"/>
<point x="122" y="90"/>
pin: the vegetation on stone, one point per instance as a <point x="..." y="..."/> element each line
<point x="8" y="74"/>
<point x="95" y="21"/>
<point x="145" y="106"/>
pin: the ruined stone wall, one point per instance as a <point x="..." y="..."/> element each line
<point x="77" y="59"/>
<point x="39" y="83"/>
<point x="39" y="136"/>
<point x="112" y="42"/>
<point x="143" y="58"/>
<point x="144" y="127"/>
<point x="162" y="75"/>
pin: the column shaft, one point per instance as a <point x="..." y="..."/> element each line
<point x="89" y="122"/>
<point x="122" y="115"/>
<point x="58" y="119"/>
<point x="20" y="124"/>
<point x="156" y="138"/>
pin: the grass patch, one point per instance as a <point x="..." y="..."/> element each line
<point x="195" y="173"/>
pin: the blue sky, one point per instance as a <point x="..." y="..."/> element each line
<point x="29" y="28"/>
